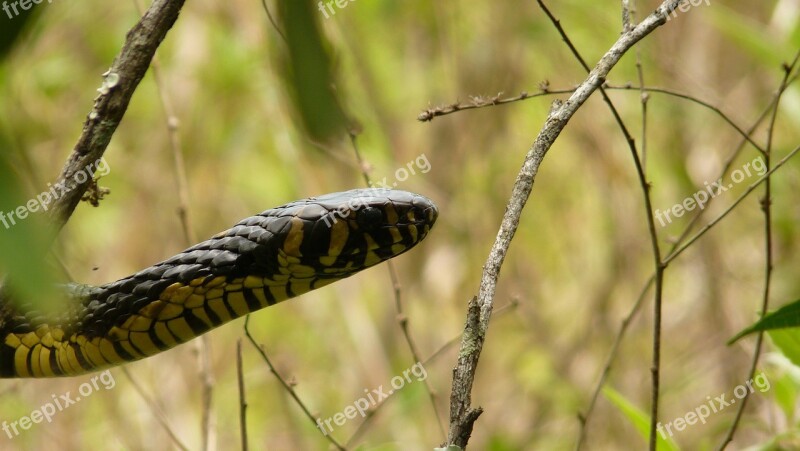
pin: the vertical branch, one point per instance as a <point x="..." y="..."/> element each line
<point x="242" y="396"/>
<point x="584" y="418"/>
<point x="462" y="415"/>
<point x="640" y="172"/>
<point x="766" y="207"/>
<point x="402" y="319"/>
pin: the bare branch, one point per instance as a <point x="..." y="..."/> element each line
<point x="766" y="206"/>
<point x="110" y="105"/>
<point x="462" y="415"/>
<point x="156" y="410"/>
<point x="242" y="397"/>
<point x="288" y="386"/>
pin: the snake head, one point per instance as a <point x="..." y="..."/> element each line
<point x="339" y="234"/>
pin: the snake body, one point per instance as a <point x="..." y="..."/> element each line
<point x="264" y="259"/>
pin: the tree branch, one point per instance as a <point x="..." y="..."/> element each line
<point x="462" y="415"/>
<point x="119" y="84"/>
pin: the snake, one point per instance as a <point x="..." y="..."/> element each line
<point x="268" y="258"/>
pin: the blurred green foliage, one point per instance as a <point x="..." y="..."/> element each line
<point x="25" y="240"/>
<point x="639" y="419"/>
<point x="246" y="103"/>
<point x="12" y="27"/>
<point x="308" y="71"/>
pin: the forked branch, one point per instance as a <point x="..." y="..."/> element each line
<point x="462" y="414"/>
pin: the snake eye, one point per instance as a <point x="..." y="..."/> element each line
<point x="369" y="218"/>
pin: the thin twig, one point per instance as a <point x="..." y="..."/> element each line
<point x="157" y="412"/>
<point x="738" y="200"/>
<point x="623" y="328"/>
<point x="402" y="319"/>
<point x="272" y="20"/>
<point x="626" y="16"/>
<point x="680" y="240"/>
<point x="462" y="415"/>
<point x="659" y="267"/>
<point x="766" y="206"/>
<point x="644" y="96"/>
<point x="283" y="382"/>
<point x="369" y="414"/>
<point x="481" y="102"/>
<point x="242" y="396"/>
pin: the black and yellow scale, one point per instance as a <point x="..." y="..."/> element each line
<point x="265" y="259"/>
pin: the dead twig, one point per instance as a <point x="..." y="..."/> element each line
<point x="462" y="415"/>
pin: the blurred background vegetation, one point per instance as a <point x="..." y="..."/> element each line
<point x="577" y="264"/>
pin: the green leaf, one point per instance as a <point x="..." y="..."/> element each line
<point x="788" y="342"/>
<point x="12" y="28"/>
<point x="786" y="316"/>
<point x="785" y="391"/>
<point x="308" y="73"/>
<point x="24" y="242"/>
<point x="639" y="419"/>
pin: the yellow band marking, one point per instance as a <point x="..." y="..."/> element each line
<point x="215" y="293"/>
<point x="44" y="362"/>
<point x="109" y="353"/>
<point x="218" y="307"/>
<point x="181" y="329"/>
<point x="178" y="295"/>
<point x="262" y="298"/>
<point x="35" y="352"/>
<point x="391" y="214"/>
<point x="253" y="282"/>
<point x="170" y="311"/>
<point x="128" y="347"/>
<point x="21" y="361"/>
<point x="163" y="334"/>
<point x="137" y="323"/>
<point x="194" y="301"/>
<point x="215" y="282"/>
<point x="201" y="314"/>
<point x="142" y="341"/>
<point x="30" y="339"/>
<point x="237" y="303"/>
<point x="294" y="238"/>
<point x="73" y="359"/>
<point x="13" y="340"/>
<point x="91" y="352"/>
